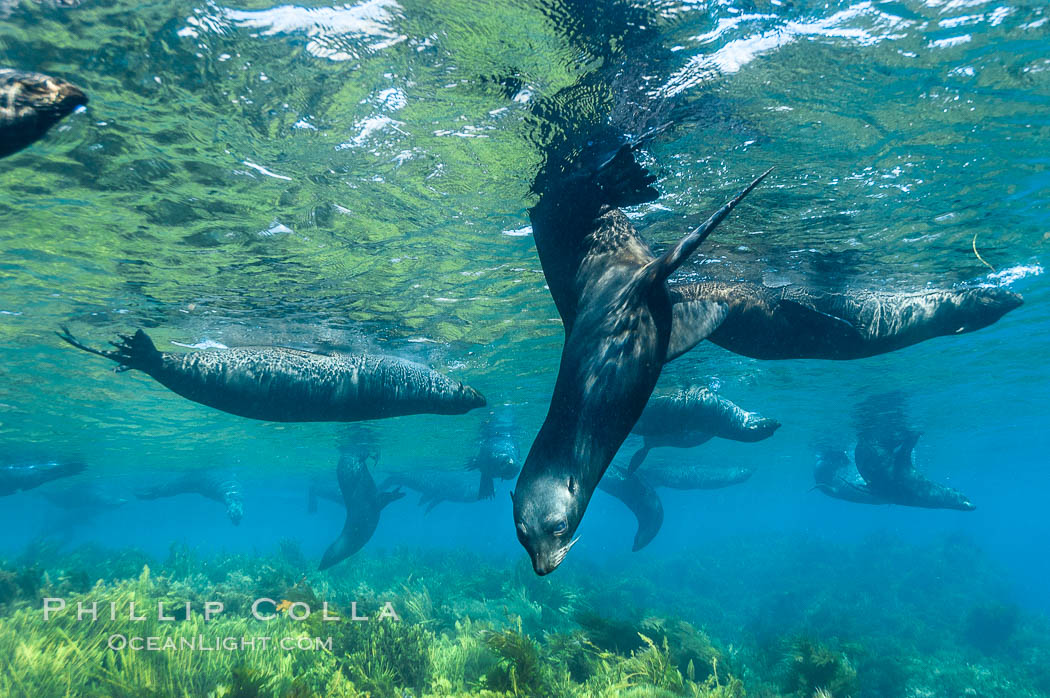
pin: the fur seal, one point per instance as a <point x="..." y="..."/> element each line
<point x="620" y="328"/>
<point x="436" y="486"/>
<point x="78" y="505"/>
<point x="885" y="463"/>
<point x="363" y="502"/>
<point x="837" y="477"/>
<point x="795" y="322"/>
<point x="684" y="477"/>
<point x="26" y="476"/>
<point x="30" y="104"/>
<point x="691" y="417"/>
<point x="498" y="455"/>
<point x="218" y="486"/>
<point x="279" y="384"/>
<point x="640" y="498"/>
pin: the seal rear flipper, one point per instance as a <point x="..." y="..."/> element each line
<point x="486" y="487"/>
<point x="624" y="182"/>
<point x="666" y="264"/>
<point x="643" y="501"/>
<point x="135" y="351"/>
<point x="691" y="323"/>
<point x="638" y="458"/>
<point x="902" y="455"/>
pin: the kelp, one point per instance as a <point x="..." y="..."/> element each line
<point x="471" y="628"/>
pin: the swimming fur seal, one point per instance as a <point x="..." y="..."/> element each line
<point x="691" y="417"/>
<point x="436" y="486"/>
<point x="30" y="104"/>
<point x="498" y="455"/>
<point x="643" y="501"/>
<point x="363" y="502"/>
<point x="684" y="477"/>
<point x="25" y="476"/>
<point x="795" y="322"/>
<point x="885" y="463"/>
<point x="837" y="476"/>
<point x="279" y="384"/>
<point x="620" y="329"/>
<point x="218" y="486"/>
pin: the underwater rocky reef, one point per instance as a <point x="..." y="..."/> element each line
<point x="768" y="619"/>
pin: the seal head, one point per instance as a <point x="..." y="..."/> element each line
<point x="30" y="104"/>
<point x="547" y="511"/>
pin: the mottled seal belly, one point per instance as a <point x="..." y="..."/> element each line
<point x="684" y="477"/>
<point x="795" y="322"/>
<point x="30" y="104"/>
<point x="280" y="384"/>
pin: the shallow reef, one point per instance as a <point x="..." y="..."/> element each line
<point x="771" y="620"/>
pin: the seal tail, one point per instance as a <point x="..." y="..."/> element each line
<point x="135" y="351"/>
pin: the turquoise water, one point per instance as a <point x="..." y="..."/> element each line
<point x="359" y="175"/>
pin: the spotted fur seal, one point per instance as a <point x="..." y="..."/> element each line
<point x="18" y="477"/>
<point x="290" y="385"/>
<point x="795" y="322"/>
<point x="638" y="496"/>
<point x="217" y="485"/>
<point x="363" y="502"/>
<point x="620" y="328"/>
<point x="30" y="104"/>
<point x="691" y="417"/>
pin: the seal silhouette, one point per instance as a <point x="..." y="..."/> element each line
<point x="436" y="486"/>
<point x="693" y="416"/>
<point x="216" y="484"/>
<point x="16" y="477"/>
<point x="497" y="456"/>
<point x="362" y="499"/>
<point x="280" y="384"/>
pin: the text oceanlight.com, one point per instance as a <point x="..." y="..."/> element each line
<point x="200" y="643"/>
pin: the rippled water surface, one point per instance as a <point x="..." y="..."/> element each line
<point x="358" y="175"/>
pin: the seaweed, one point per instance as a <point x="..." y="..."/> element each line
<point x="489" y="634"/>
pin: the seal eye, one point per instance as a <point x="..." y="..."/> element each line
<point x="559" y="528"/>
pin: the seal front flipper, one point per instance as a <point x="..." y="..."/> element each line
<point x="393" y="495"/>
<point x="691" y="323"/>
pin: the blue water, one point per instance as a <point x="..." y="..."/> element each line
<point x="359" y="175"/>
